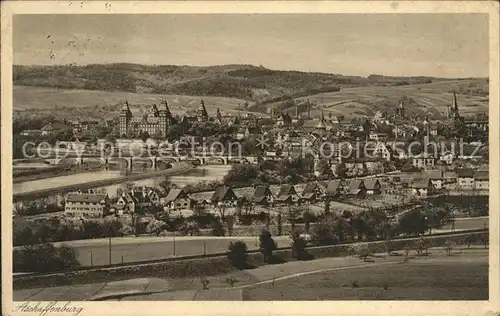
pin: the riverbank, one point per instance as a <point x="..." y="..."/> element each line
<point x="177" y="168"/>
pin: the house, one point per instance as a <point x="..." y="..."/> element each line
<point x="262" y="195"/>
<point x="177" y="199"/>
<point x="125" y="204"/>
<point x="312" y="192"/>
<point x="287" y="194"/>
<point x="372" y="186"/>
<point x="284" y="119"/>
<point x="86" y="205"/>
<point x="356" y="187"/>
<point x="382" y="151"/>
<point x="52" y="128"/>
<point x="436" y="177"/>
<point x="31" y="132"/>
<point x="422" y="187"/>
<point x="481" y="180"/>
<point x="449" y="177"/>
<point x="334" y="188"/>
<point x="143" y="202"/>
<point x="465" y="179"/>
<point x="423" y="160"/>
<point x="224" y="196"/>
<point x="152" y="193"/>
<point x="447" y="157"/>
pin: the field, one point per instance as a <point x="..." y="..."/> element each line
<point x="96" y="252"/>
<point x="84" y="102"/>
<point x="433" y="98"/>
<point x="458" y="277"/>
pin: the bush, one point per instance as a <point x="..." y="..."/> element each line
<point x="237" y="254"/>
<point x="43" y="258"/>
<point x="266" y="244"/>
<point x="218" y="228"/>
<point x="323" y="234"/>
<point x="299" y="251"/>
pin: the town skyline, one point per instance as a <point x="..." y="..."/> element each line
<point x="354" y="45"/>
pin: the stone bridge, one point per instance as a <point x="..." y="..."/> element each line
<point x="155" y="160"/>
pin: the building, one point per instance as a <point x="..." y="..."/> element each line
<point x="155" y="122"/>
<point x="401" y="110"/>
<point x="224" y="196"/>
<point x="284" y="119"/>
<point x="334" y="188"/>
<point x="453" y="112"/>
<point x="465" y="179"/>
<point x="287" y="194"/>
<point x="312" y="192"/>
<point x="382" y="151"/>
<point x="481" y="180"/>
<point x="125" y="204"/>
<point x="423" y="160"/>
<point x="262" y="195"/>
<point x="153" y="194"/>
<point x="86" y="205"/>
<point x="447" y="157"/>
<point x="31" y="132"/>
<point x="422" y="187"/>
<point x="356" y="187"/>
<point x="53" y="128"/>
<point x="201" y="112"/>
<point x="436" y="177"/>
<point x="177" y="199"/>
<point x="372" y="186"/>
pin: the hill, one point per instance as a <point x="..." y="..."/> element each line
<point x="247" y="82"/>
<point x="242" y="87"/>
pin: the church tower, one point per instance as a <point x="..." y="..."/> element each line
<point x="219" y="116"/>
<point x="454" y="105"/>
<point x="201" y="113"/>
<point x="124" y="120"/>
<point x="165" y="118"/>
<point x="401" y="110"/>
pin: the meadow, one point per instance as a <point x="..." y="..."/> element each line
<point x="103" y="104"/>
<point x="462" y="276"/>
<point x="432" y="97"/>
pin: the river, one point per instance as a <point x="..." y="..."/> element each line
<point x="199" y="174"/>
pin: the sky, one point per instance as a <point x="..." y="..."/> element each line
<point x="441" y="45"/>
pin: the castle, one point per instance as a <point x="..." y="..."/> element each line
<point x="155" y="122"/>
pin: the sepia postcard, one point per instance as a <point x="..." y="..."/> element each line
<point x="250" y="157"/>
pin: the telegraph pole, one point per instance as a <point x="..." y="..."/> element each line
<point x="109" y="250"/>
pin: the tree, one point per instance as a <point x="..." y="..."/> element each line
<point x="342" y="229"/>
<point x="279" y="224"/>
<point x="323" y="233"/>
<point x="308" y="218"/>
<point x="299" y="247"/>
<point x="144" y="136"/>
<point x="241" y="175"/>
<point x="293" y="214"/>
<point x="237" y="254"/>
<point x="412" y="223"/>
<point x="266" y="244"/>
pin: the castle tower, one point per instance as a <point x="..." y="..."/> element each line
<point x="165" y="118"/>
<point x="124" y="120"/>
<point x="201" y="113"/>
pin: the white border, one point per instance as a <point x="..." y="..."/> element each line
<point x="207" y="7"/>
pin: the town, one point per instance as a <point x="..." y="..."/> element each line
<point x="346" y="173"/>
<point x="251" y="157"/>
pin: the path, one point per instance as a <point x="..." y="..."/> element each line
<point x="161" y="289"/>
